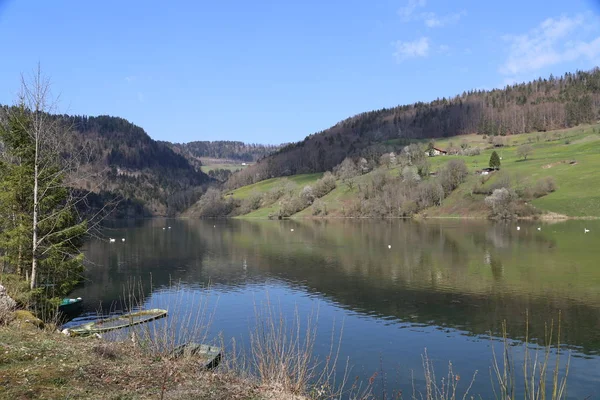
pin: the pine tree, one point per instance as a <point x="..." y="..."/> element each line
<point x="494" y="160"/>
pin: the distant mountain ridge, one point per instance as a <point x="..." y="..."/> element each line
<point x="539" y="105"/>
<point x="231" y="151"/>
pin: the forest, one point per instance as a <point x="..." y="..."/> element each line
<point x="540" y="105"/>
<point x="226" y="149"/>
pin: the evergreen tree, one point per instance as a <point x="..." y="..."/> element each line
<point x="41" y="231"/>
<point x="494" y="160"/>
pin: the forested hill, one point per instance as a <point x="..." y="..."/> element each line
<point x="118" y="159"/>
<point x="126" y="161"/>
<point x="540" y="105"/>
<point x="223" y="149"/>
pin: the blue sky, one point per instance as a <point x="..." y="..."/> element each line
<point x="276" y="71"/>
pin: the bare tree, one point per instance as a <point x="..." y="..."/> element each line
<point x="525" y="151"/>
<point x="52" y="162"/>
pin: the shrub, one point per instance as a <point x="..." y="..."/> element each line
<point x="410" y="175"/>
<point x="319" y="208"/>
<point x="324" y="185"/>
<point x="212" y="204"/>
<point x="502" y="203"/>
<point x="290" y="205"/>
<point x="429" y="193"/>
<point x="452" y="175"/>
<point x="470" y="151"/>
<point x="544" y="186"/>
<point x="251" y="203"/>
<point x="307" y="195"/>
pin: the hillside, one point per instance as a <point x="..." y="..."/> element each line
<point x="118" y="159"/>
<point x="126" y="161"/>
<point x="219" y="159"/>
<point x="537" y="106"/>
<point x="568" y="158"/>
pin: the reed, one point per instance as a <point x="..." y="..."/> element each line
<point x="536" y="367"/>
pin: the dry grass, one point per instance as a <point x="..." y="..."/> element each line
<point x="36" y="363"/>
<point x="535" y="369"/>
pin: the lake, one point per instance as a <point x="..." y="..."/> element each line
<point x="391" y="288"/>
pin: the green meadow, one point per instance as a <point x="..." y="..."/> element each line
<point x="571" y="157"/>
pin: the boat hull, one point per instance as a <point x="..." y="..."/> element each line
<point x="211" y="354"/>
<point x="114" y="323"/>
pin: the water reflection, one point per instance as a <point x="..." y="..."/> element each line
<point x="417" y="275"/>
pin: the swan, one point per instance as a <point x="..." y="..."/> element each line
<point x="122" y="240"/>
<point x="539" y="229"/>
<point x="111" y="240"/>
<point x="389" y="246"/>
<point x="518" y="228"/>
<point x="585" y="230"/>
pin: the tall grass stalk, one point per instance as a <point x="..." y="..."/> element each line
<point x="282" y="355"/>
<point x="190" y="316"/>
<point x="445" y="389"/>
<point x="535" y="368"/>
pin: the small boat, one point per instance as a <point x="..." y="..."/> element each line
<point x="70" y="306"/>
<point x="121" y="321"/>
<point x="211" y="355"/>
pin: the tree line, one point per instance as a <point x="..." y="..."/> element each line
<point x="539" y="105"/>
<point x="226" y="149"/>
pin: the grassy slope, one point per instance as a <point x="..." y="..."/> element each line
<point x="264" y="186"/>
<point x="576" y="195"/>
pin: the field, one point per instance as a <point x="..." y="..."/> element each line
<point x="209" y="164"/>
<point x="571" y="157"/>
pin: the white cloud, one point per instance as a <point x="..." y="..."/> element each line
<point x="409" y="9"/>
<point x="554" y="41"/>
<point x="432" y="20"/>
<point x="444" y="49"/>
<point x="416" y="48"/>
<point x="410" y="13"/>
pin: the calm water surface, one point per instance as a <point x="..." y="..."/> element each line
<point x="443" y="286"/>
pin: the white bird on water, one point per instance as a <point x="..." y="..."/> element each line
<point x="389" y="246"/>
<point x="539" y="229"/>
<point x="122" y="240"/>
<point x="585" y="230"/>
<point x="164" y="229"/>
<point x="518" y="228"/>
<point x="169" y="227"/>
<point x="292" y="230"/>
<point x="111" y="240"/>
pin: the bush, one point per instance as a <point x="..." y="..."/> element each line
<point x="544" y="186"/>
<point x="319" y="208"/>
<point x="502" y="203"/>
<point x="324" y="185"/>
<point x="429" y="193"/>
<point x="307" y="195"/>
<point x="212" y="204"/>
<point x="251" y="203"/>
<point x="470" y="151"/>
<point x="410" y="175"/>
<point x="290" y="205"/>
<point x="452" y="175"/>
